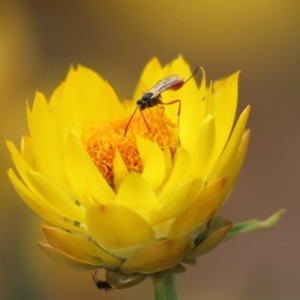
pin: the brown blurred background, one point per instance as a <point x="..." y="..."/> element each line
<point x="39" y="40"/>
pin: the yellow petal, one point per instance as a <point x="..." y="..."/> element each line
<point x="42" y="129"/>
<point x="21" y="165"/>
<point x="23" y="168"/>
<point x="202" y="106"/>
<point x="137" y="194"/>
<point x="106" y="108"/>
<point x="238" y="161"/>
<point x="181" y="67"/>
<point x="180" y="168"/>
<point x="203" y="158"/>
<point x="83" y="175"/>
<point x="55" y="99"/>
<point x="151" y="74"/>
<point x="188" y="95"/>
<point x="46" y="140"/>
<point x="117" y="227"/>
<point x="57" y="199"/>
<point x="80" y="94"/>
<point x="78" y="248"/>
<point x="227" y="157"/>
<point x="27" y="151"/>
<point x="201" y="210"/>
<point x="168" y="163"/>
<point x="223" y="107"/>
<point x="177" y="201"/>
<point x="120" y="169"/>
<point x="153" y="162"/>
<point x="158" y="257"/>
<point x="193" y="115"/>
<point x="210" y="242"/>
<point x="65" y="261"/>
<point x="38" y="205"/>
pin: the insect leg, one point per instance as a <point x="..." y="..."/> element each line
<point x="163" y="110"/>
<point x="173" y="102"/>
<point x="162" y="114"/>
<point x="145" y="120"/>
<point x="94" y="277"/>
<point x="127" y="126"/>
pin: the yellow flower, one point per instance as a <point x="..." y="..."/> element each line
<point x="136" y="202"/>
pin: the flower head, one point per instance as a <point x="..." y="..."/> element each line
<point x="136" y="202"/>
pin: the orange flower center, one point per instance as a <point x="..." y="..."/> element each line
<point x="102" y="141"/>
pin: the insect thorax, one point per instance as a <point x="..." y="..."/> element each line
<point x="148" y="101"/>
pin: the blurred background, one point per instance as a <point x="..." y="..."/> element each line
<point x="39" y="40"/>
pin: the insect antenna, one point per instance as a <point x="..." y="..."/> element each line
<point x="196" y="70"/>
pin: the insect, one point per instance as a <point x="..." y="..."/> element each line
<point x="153" y="96"/>
<point x="101" y="285"/>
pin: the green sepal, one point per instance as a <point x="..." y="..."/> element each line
<point x="254" y="225"/>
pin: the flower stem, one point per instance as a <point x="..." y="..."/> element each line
<point x="164" y="287"/>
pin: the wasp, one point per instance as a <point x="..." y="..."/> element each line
<point x="153" y="96"/>
<point x="101" y="285"/>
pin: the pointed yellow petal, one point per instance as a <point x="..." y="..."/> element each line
<point x="55" y="99"/>
<point x="203" y="158"/>
<point x="237" y="164"/>
<point x="201" y="210"/>
<point x="158" y="257"/>
<point x="193" y="115"/>
<point x="168" y="163"/>
<point x="106" y="108"/>
<point x="137" y="194"/>
<point x="80" y="94"/>
<point x="21" y="165"/>
<point x="58" y="200"/>
<point x="181" y="67"/>
<point x="180" y="168"/>
<point x="221" y="98"/>
<point x="18" y="160"/>
<point x="78" y="248"/>
<point x="227" y="157"/>
<point x="151" y="74"/>
<point x="177" y="201"/>
<point x="27" y="151"/>
<point x="83" y="175"/>
<point x="202" y="106"/>
<point x="65" y="261"/>
<point x="188" y="94"/>
<point x="42" y="128"/>
<point x="117" y="227"/>
<point x="210" y="242"/>
<point x="46" y="139"/>
<point x="223" y="107"/>
<point x="153" y="162"/>
<point x="38" y="205"/>
<point x="120" y="169"/>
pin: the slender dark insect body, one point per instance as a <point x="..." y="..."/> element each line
<point x="101" y="285"/>
<point x="153" y="96"/>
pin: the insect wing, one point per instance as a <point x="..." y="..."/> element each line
<point x="172" y="82"/>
